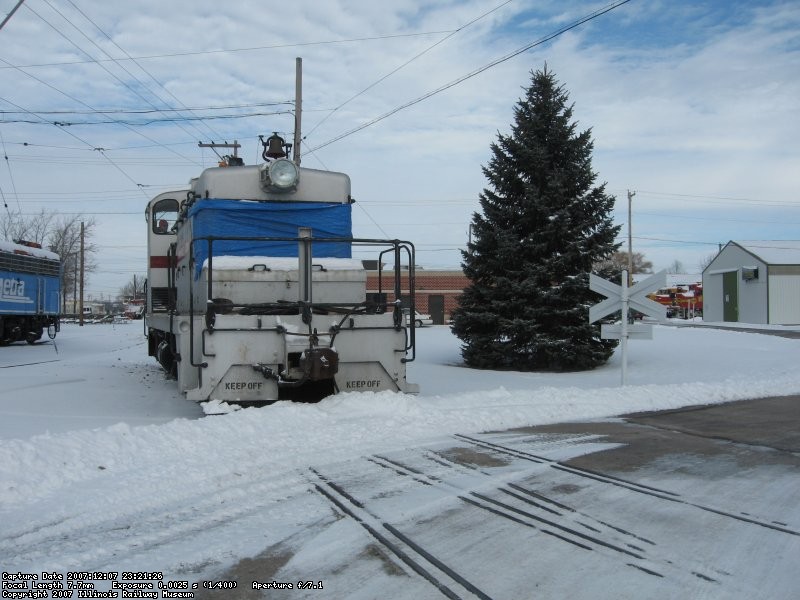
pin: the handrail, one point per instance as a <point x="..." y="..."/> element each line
<point x="397" y="247"/>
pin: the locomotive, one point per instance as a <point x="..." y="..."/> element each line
<point x="253" y="294"/>
<point x="682" y="300"/>
<point x="30" y="292"/>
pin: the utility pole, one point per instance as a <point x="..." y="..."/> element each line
<point x="298" y="108"/>
<point x="630" y="239"/>
<point x="82" y="273"/>
<point x="625" y="302"/>
<point x="75" y="283"/>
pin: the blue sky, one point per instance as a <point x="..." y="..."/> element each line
<point x="692" y="104"/>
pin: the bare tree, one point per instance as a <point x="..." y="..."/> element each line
<point x="704" y="262"/>
<point x="134" y="289"/>
<point x="15" y="226"/>
<point x="675" y="267"/>
<point x="618" y="262"/>
<point x="64" y="238"/>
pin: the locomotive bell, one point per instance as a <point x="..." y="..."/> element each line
<point x="275" y="144"/>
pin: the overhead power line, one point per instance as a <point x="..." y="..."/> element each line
<point x="139" y="147"/>
<point x="714" y="219"/>
<point x="233" y="50"/>
<point x="478" y="71"/>
<point x="10" y="175"/>
<point x="143" y="123"/>
<point x="124" y="83"/>
<point x="11" y="14"/>
<point x="405" y="64"/>
<point x="723" y="199"/>
<point x="145" y="111"/>
<point x="141" y="68"/>
<point x="688" y="242"/>
<point x="82" y="103"/>
<point x="102" y="152"/>
<point x="94" y="212"/>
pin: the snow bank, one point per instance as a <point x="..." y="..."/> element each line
<point x="698" y="366"/>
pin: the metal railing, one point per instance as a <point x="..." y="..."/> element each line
<point x="397" y="248"/>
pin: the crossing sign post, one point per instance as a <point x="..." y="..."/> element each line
<point x="624" y="299"/>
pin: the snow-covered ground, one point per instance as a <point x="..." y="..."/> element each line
<point x="100" y="375"/>
<point x="104" y="466"/>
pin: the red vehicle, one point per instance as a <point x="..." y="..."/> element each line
<point x="682" y="301"/>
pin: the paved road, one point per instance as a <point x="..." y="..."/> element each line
<point x="690" y="503"/>
<point x="755" y="432"/>
<point x="786" y="333"/>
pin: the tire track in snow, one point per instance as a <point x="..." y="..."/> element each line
<point x="98" y="538"/>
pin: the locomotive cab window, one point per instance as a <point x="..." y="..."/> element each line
<point x="165" y="213"/>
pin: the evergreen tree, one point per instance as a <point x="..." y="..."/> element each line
<point x="543" y="225"/>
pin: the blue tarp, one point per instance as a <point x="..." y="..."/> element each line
<point x="237" y="218"/>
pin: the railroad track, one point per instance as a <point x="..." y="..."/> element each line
<point x="412" y="554"/>
<point x="508" y="502"/>
<point x="662" y="494"/>
<point x="531" y="509"/>
<point x="455" y="517"/>
<point x="30" y="364"/>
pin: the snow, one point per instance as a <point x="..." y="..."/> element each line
<point x="243" y="263"/>
<point x="773" y="252"/>
<point x="100" y="452"/>
<point x="99" y="375"/>
<point x="29" y="250"/>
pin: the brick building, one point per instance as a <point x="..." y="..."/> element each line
<point x="437" y="291"/>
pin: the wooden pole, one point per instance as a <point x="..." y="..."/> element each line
<point x="82" y="272"/>
<point x="298" y="109"/>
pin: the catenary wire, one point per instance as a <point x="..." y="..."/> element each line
<point x="478" y="71"/>
<point x="234" y="50"/>
<point x="125" y="84"/>
<point x="10" y="176"/>
<point x="145" y="71"/>
<point x="405" y="64"/>
<point x="90" y="108"/>
<point x="110" y="161"/>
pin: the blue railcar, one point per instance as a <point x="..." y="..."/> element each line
<point x="30" y="292"/>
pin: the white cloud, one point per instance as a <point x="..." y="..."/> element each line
<point x="682" y="97"/>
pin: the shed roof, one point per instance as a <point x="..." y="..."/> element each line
<point x="773" y="252"/>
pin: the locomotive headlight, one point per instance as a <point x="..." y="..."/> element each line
<point x="281" y="174"/>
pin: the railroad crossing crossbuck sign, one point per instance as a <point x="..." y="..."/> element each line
<point x="636" y="296"/>
<point x="622" y="298"/>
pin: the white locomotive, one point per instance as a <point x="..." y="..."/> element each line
<point x="253" y="294"/>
